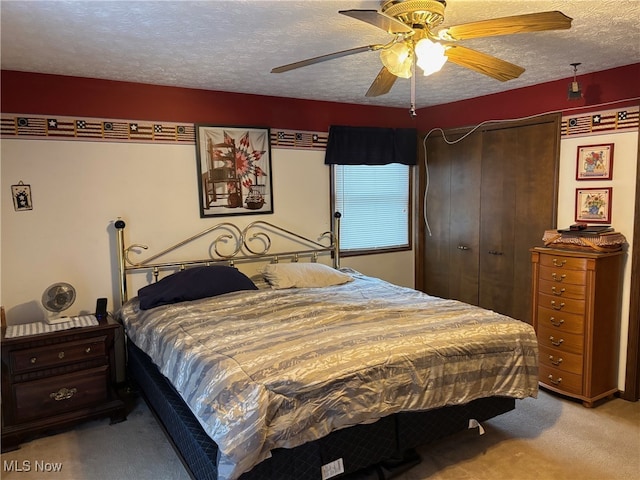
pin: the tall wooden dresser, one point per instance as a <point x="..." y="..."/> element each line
<point x="576" y="309"/>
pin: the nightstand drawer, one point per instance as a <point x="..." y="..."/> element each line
<point x="566" y="263"/>
<point x="59" y="354"/>
<point x="50" y="396"/>
<point x="563" y="276"/>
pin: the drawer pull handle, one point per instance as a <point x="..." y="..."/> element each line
<point x="555" y="382"/>
<point x="554" y="361"/>
<point x="555" y="342"/>
<point x="463" y="247"/>
<point x="63" y="394"/>
<point x="558" y="278"/>
<point x="556" y="307"/>
<point x="495" y="252"/>
<point x="61" y="355"/>
<point x="33" y="360"/>
<point x="556" y="292"/>
<point x="559" y="263"/>
<point x="87" y="350"/>
<point x="556" y="323"/>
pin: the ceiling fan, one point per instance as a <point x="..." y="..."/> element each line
<point x="416" y="43"/>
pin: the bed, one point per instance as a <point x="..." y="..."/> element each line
<point x="307" y="371"/>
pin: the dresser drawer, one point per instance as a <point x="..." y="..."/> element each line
<point x="562" y="321"/>
<point x="565" y="361"/>
<point x="563" y="276"/>
<point x="50" y="396"/>
<point x="565" y="381"/>
<point x="565" y="263"/>
<point x="565" y="290"/>
<point x="561" y="305"/>
<point x="561" y="341"/>
<point x="54" y="355"/>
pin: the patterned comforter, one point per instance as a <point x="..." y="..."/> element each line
<point x="277" y="368"/>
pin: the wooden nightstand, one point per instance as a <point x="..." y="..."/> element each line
<point x="54" y="380"/>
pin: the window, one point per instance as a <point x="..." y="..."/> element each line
<point x="374" y="203"/>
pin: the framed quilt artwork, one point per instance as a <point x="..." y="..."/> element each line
<point x="234" y="170"/>
<point x="595" y="162"/>
<point x="593" y="205"/>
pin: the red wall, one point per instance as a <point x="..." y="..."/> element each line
<point x="73" y="96"/>
<point x="620" y="85"/>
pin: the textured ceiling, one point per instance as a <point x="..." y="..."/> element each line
<point x="233" y="45"/>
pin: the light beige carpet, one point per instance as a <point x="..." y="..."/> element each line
<point x="546" y="438"/>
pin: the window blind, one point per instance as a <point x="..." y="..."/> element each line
<point x="374" y="203"/>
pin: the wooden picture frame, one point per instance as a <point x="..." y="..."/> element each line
<point x="593" y="205"/>
<point x="21" y="195"/>
<point x="595" y="162"/>
<point x="234" y="170"/>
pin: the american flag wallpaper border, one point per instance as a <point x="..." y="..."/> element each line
<point x="296" y="139"/>
<point x="56" y="127"/>
<point x="600" y="123"/>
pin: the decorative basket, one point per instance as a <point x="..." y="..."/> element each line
<point x="605" y="242"/>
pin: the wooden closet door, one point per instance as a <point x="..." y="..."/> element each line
<point x="490" y="199"/>
<point x="536" y="180"/>
<point x="450" y="267"/>
<point x="464" y="220"/>
<point x="498" y="196"/>
<point x="519" y="186"/>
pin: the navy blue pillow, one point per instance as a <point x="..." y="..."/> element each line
<point x="192" y="284"/>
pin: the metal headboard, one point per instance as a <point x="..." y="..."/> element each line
<point x="251" y="244"/>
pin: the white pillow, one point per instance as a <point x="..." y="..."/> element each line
<point x="301" y="275"/>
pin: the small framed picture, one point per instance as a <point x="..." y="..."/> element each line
<point x="595" y="162"/>
<point x="593" y="205"/>
<point x="21" y="194"/>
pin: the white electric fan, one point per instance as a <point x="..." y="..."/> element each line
<point x="56" y="299"/>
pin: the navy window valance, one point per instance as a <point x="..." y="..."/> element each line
<point x="371" y="146"/>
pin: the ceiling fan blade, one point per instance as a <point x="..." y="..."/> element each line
<point x="324" y="58"/>
<point x="378" y="19"/>
<point x="382" y="84"/>
<point x="533" y="22"/>
<point x="483" y="63"/>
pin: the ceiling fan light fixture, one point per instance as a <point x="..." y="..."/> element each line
<point x="430" y="56"/>
<point x="398" y="59"/>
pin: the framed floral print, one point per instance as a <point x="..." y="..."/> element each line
<point x="593" y="205"/>
<point x="595" y="162"/>
<point x="234" y="170"/>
